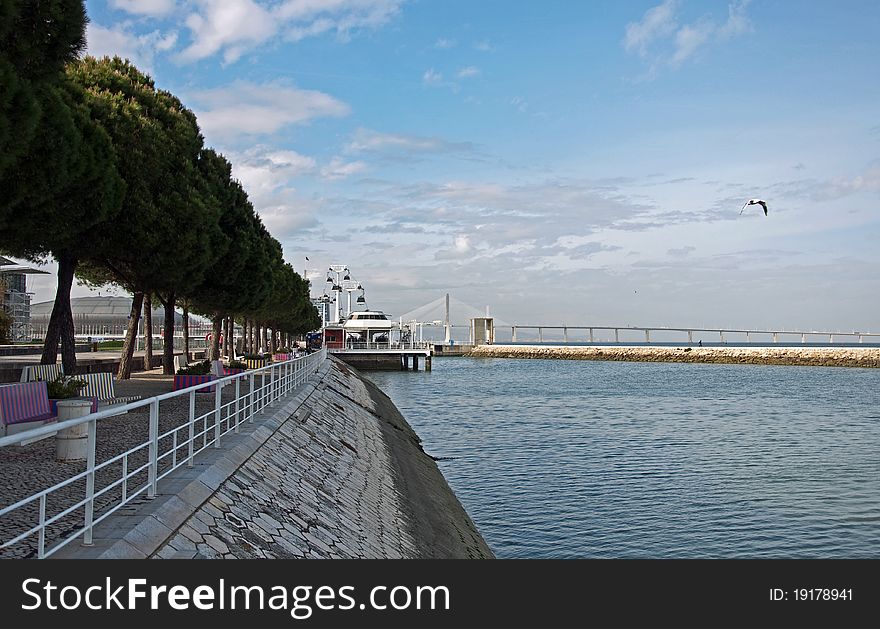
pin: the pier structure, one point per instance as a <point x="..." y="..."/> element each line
<point x="386" y="358"/>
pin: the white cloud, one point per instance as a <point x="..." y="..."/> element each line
<point x="443" y="44"/>
<point x="689" y="38"/>
<point x="468" y="72"/>
<point x="484" y="46"/>
<point x="520" y="103"/>
<point x="244" y="108"/>
<point x="657" y="22"/>
<point x="152" y="8"/>
<point x="234" y="27"/>
<point x="266" y="172"/>
<point x="120" y="41"/>
<point x="369" y="141"/>
<point x="431" y="77"/>
<point x="340" y="169"/>
<point x="659" y="38"/>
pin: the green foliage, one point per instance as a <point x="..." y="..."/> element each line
<point x="37" y="38"/>
<point x="236" y="364"/>
<point x="164" y="238"/>
<point x="202" y="368"/>
<point x="64" y="387"/>
<point x="254" y="357"/>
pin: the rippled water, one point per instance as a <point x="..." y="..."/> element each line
<point x="654" y="460"/>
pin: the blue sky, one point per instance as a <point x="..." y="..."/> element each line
<point x="576" y="162"/>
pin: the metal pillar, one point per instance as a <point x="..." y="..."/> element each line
<point x="513" y="334"/>
<point x="616" y="335"/>
<point x="428" y="362"/>
<point x="775" y="337"/>
<point x="565" y="334"/>
<point x="647" y="336"/>
<point x="540" y="335"/>
<point x="591" y="335"/>
<point x="690" y="336"/>
<point x="415" y="362"/>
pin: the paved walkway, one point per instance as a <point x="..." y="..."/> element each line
<point x="334" y="472"/>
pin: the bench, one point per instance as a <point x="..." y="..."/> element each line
<point x="103" y="387"/>
<point x="180" y="362"/>
<point x="32" y="373"/>
<point x="24" y="403"/>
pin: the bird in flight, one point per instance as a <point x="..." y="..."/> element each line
<point x="755" y="202"/>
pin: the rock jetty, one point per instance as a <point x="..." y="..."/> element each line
<point x="806" y="356"/>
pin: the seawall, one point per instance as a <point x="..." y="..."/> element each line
<point x="807" y="356"/>
<point x="336" y="472"/>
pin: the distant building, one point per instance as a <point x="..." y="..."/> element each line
<point x="15" y="300"/>
<point x="101" y="316"/>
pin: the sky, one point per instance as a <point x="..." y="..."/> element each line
<point x="579" y="163"/>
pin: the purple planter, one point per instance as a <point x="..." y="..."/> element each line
<point x="185" y="382"/>
<point x="231" y="372"/>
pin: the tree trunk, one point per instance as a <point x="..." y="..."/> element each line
<point x="168" y="350"/>
<point x="61" y="320"/>
<point x="263" y="343"/>
<point x="252" y="337"/>
<point x="215" y="337"/>
<point x="227" y="339"/>
<point x="271" y="341"/>
<point x="186" y="330"/>
<point x="131" y="334"/>
<point x="148" y="331"/>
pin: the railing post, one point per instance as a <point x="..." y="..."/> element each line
<point x="237" y="394"/>
<point x="192" y="429"/>
<point x="251" y="399"/>
<point x="218" y="391"/>
<point x="90" y="483"/>
<point x="271" y="384"/>
<point x="41" y="543"/>
<point x="153" y="470"/>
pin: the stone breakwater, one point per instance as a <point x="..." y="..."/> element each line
<point x="807" y="356"/>
<point x="336" y="472"/>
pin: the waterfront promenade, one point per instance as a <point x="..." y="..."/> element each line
<point x="332" y="470"/>
<point x="806" y="356"/>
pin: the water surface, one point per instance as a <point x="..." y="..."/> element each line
<point x="567" y="459"/>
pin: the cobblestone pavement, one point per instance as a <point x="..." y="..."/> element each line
<point x="322" y="486"/>
<point x="31" y="468"/>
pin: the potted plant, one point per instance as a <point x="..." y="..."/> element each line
<point x="233" y="367"/>
<point x="191" y="375"/>
<point x="66" y="388"/>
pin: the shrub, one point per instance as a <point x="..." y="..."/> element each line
<point x="196" y="369"/>
<point x="64" y="387"/>
<point x="236" y="364"/>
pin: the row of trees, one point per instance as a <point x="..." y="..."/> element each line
<point x="110" y="176"/>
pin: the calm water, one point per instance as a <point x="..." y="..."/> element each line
<point x="654" y="460"/>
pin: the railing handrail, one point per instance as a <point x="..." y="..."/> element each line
<point x="287" y="377"/>
<point x="119" y="409"/>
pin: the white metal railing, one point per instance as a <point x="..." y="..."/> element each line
<point x="144" y="465"/>
<point x="339" y="347"/>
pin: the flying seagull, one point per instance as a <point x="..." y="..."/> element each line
<point x="755" y="202"/>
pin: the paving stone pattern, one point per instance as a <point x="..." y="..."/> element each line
<point x="323" y="486"/>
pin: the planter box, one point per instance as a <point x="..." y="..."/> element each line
<point x="185" y="382"/>
<point x="255" y="363"/>
<point x="231" y="372"/>
<point x="280" y="358"/>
